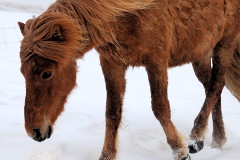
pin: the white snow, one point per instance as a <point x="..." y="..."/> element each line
<point x="79" y="131"/>
<point x="36" y="6"/>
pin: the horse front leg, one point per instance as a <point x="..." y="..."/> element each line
<point x="221" y="59"/>
<point x="114" y="75"/>
<point x="158" y="80"/>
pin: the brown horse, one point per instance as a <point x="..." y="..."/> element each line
<point x="156" y="34"/>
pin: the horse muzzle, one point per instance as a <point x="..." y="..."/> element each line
<point x="39" y="135"/>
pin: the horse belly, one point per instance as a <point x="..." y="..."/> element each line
<point x="193" y="50"/>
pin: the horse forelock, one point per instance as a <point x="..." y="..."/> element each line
<point x="53" y="36"/>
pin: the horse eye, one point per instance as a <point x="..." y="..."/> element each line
<point x="47" y="75"/>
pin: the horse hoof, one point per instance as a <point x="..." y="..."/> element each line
<point x="196" y="146"/>
<point x="186" y="158"/>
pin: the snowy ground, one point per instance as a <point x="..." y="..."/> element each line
<point x="79" y="132"/>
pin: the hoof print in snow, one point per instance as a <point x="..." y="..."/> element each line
<point x="196" y="146"/>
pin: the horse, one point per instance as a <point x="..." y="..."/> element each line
<point x="155" y="34"/>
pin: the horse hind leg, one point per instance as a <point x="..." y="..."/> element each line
<point x="221" y="59"/>
<point x="218" y="136"/>
<point x="157" y="75"/>
<point x="202" y="70"/>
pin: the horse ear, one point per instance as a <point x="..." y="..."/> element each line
<point x="21" y="26"/>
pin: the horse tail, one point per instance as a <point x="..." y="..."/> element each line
<point x="232" y="75"/>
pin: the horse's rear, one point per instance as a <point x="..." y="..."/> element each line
<point x="215" y="78"/>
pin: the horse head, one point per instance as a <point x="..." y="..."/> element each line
<point x="49" y="67"/>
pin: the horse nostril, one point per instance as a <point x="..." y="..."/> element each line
<point x="49" y="133"/>
<point x="37" y="134"/>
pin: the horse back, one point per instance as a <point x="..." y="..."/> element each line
<point x="176" y="32"/>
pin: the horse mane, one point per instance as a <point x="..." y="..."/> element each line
<point x="52" y="36"/>
<point x="100" y="16"/>
<point x="71" y="20"/>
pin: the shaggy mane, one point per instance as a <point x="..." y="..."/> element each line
<point x="72" y="20"/>
<point x="52" y="36"/>
<point x="99" y="16"/>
